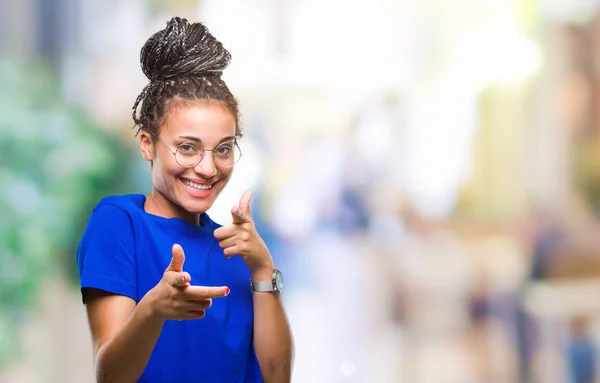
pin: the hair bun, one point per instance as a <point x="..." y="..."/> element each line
<point x="183" y="50"/>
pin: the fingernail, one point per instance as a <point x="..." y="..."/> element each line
<point x="227" y="291"/>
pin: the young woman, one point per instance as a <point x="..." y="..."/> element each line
<point x="218" y="317"/>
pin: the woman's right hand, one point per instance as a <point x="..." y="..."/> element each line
<point x="174" y="298"/>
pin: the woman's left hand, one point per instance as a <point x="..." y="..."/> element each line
<point x="241" y="238"/>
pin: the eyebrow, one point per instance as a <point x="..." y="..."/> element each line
<point x="196" y="139"/>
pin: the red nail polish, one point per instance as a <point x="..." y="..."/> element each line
<point x="227" y="291"/>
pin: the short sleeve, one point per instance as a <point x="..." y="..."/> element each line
<point x="106" y="255"/>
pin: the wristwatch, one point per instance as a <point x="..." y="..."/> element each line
<point x="275" y="285"/>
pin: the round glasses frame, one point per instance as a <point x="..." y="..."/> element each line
<point x="201" y="153"/>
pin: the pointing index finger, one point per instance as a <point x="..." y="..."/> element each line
<point x="206" y="292"/>
<point x="245" y="202"/>
<point x="238" y="215"/>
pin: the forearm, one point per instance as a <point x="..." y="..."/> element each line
<point x="124" y="357"/>
<point x="272" y="337"/>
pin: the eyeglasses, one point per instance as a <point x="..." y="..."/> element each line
<point x="226" y="155"/>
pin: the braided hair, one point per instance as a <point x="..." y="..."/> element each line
<point x="184" y="62"/>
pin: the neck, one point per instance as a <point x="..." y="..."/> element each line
<point x="157" y="204"/>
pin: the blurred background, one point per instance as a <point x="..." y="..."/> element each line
<point x="426" y="174"/>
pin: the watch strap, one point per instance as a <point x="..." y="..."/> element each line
<point x="262" y="286"/>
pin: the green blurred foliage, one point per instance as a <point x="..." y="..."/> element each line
<point x="55" y="165"/>
<point x="586" y="173"/>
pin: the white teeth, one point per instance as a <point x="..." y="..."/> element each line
<point x="193" y="185"/>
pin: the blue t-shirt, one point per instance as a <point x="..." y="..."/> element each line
<point x="125" y="251"/>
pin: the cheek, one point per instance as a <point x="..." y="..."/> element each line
<point x="164" y="171"/>
<point x="226" y="175"/>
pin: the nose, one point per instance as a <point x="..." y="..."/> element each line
<point x="206" y="167"/>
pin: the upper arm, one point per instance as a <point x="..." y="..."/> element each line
<point x="106" y="313"/>
<point x="107" y="271"/>
<point x="106" y="253"/>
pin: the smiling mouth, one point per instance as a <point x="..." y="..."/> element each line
<point x="196" y="186"/>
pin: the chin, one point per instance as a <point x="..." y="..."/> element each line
<point x="197" y="207"/>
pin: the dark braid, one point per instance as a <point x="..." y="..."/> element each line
<point x="183" y="62"/>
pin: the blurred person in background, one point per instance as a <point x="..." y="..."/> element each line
<point x="142" y="308"/>
<point x="581" y="354"/>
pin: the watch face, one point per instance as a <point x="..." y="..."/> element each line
<point x="278" y="280"/>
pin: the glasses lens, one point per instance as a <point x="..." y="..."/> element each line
<point x="188" y="156"/>
<point x="227" y="154"/>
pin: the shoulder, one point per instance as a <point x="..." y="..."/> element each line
<point x="118" y="208"/>
<point x="126" y="202"/>
<point x="113" y="215"/>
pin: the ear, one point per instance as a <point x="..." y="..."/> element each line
<point x="146" y="146"/>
